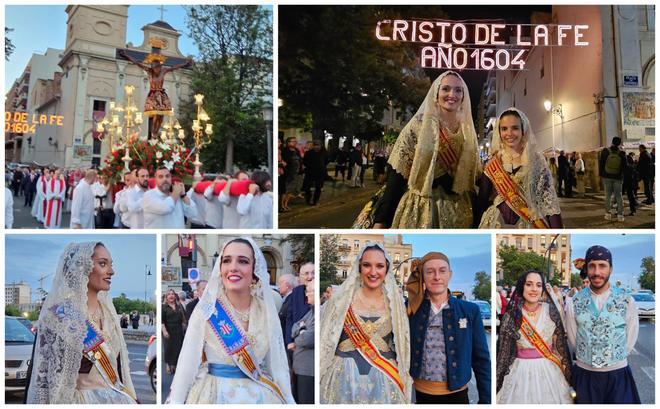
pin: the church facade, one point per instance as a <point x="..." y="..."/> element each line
<point x="93" y="74"/>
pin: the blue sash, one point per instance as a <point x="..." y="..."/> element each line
<point x="235" y="343"/>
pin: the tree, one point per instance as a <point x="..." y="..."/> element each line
<point x="482" y="286"/>
<point x="123" y="304"/>
<point x="514" y="263"/>
<point x="33" y="315"/>
<point x="235" y="75"/>
<point x="576" y="280"/>
<point x="329" y="260"/>
<point x="12" y="310"/>
<point x="302" y="246"/>
<point x="333" y="69"/>
<point x="9" y="46"/>
<point x="647" y="277"/>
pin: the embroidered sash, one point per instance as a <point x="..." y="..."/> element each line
<point x="96" y="350"/>
<point x="448" y="156"/>
<point x="535" y="339"/>
<point x="235" y="343"/>
<point x="363" y="345"/>
<point x="510" y="192"/>
<point x="52" y="203"/>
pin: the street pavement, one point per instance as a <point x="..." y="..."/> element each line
<point x="24" y="220"/>
<point x="340" y="204"/>
<point x="642" y="361"/>
<point x="137" y="352"/>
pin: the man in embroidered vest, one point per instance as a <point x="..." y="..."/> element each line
<point x="602" y="327"/>
<point x="447" y="337"/>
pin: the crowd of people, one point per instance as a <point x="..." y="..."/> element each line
<point x="377" y="349"/>
<point x="141" y="200"/>
<point x="257" y="341"/>
<point x="555" y="347"/>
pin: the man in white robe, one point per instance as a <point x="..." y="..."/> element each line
<point x="134" y="199"/>
<point x="256" y="207"/>
<point x="39" y="206"/>
<point x="165" y="206"/>
<point x="55" y="192"/>
<point x="9" y="209"/>
<point x="82" y="206"/>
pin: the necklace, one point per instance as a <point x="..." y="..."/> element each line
<point x="96" y="314"/>
<point x="242" y="315"/>
<point x="532" y="313"/>
<point x="373" y="308"/>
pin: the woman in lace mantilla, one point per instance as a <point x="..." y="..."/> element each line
<point x="64" y="370"/>
<point x="526" y="374"/>
<point x="514" y="146"/>
<point x="371" y="297"/>
<point x="207" y="371"/>
<point x="434" y="165"/>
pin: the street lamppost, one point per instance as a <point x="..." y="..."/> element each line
<point x="147" y="273"/>
<point x="548" y="252"/>
<point x="267" y="113"/>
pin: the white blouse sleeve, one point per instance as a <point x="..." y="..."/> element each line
<point x="190" y="359"/>
<point x="571" y="326"/>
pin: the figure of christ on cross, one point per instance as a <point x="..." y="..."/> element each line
<point x="157" y="103"/>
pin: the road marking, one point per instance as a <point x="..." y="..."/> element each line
<point x="650" y="372"/>
<point x="138" y="373"/>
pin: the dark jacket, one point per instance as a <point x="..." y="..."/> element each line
<point x="645" y="165"/>
<point x="603" y="158"/>
<point x="298" y="307"/>
<point x="466" y="348"/>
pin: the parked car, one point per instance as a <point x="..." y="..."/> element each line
<point x="645" y="304"/>
<point x="150" y="363"/>
<point x="18" y="352"/>
<point x="28" y="324"/>
<point x="484" y="307"/>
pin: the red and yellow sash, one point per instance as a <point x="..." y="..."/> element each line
<point x="510" y="192"/>
<point x="535" y="339"/>
<point x="448" y="155"/>
<point x="363" y="344"/>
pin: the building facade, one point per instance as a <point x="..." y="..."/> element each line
<point x="596" y="92"/>
<point x="93" y="75"/>
<point x="279" y="256"/>
<point x="350" y="246"/>
<point x="556" y="247"/>
<point x="18" y="293"/>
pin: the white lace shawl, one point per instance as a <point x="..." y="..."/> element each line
<point x="334" y="314"/>
<point x="415" y="151"/>
<point x="538" y="185"/>
<point x="61" y="330"/>
<point x="190" y="357"/>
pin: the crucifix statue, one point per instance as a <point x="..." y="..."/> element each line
<point x="157" y="103"/>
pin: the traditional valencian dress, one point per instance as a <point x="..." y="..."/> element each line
<point x="535" y="376"/>
<point x="523" y="197"/>
<point x="435" y="169"/>
<point x="223" y="363"/>
<point x="76" y="361"/>
<point x="365" y="358"/>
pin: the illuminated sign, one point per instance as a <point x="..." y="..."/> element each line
<point x="478" y="46"/>
<point x="25" y="123"/>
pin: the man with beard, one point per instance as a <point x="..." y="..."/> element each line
<point x="165" y="206"/>
<point x="602" y="327"/>
<point x="448" y="341"/>
<point x="134" y="199"/>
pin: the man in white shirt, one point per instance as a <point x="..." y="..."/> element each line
<point x="213" y="217"/>
<point x="230" y="217"/>
<point x="82" y="206"/>
<point x="602" y="327"/>
<point x="165" y="206"/>
<point x="200" y="204"/>
<point x="120" y="209"/>
<point x="256" y="207"/>
<point x="134" y="199"/>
